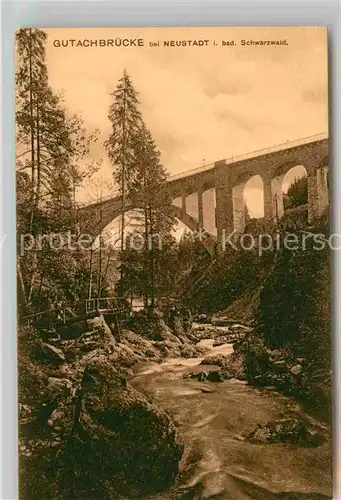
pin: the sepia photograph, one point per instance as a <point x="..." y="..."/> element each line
<point x="173" y="263"/>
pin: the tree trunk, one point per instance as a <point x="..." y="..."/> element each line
<point x="38" y="155"/>
<point x="107" y="266"/>
<point x="31" y="130"/>
<point x="22" y="284"/>
<point x="90" y="276"/>
<point x="152" y="277"/>
<point x="123" y="187"/>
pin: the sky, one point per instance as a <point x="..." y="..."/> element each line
<point x="202" y="104"/>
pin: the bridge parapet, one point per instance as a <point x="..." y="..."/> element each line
<point x="228" y="161"/>
<point x="253" y="154"/>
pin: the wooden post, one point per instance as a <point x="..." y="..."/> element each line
<point x="90" y="275"/>
<point x="118" y="327"/>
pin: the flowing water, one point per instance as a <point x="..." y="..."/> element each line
<point x="214" y="418"/>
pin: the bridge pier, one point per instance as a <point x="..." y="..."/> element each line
<point x="277" y="197"/>
<point x="200" y="209"/>
<point x="273" y="197"/>
<point x="323" y="188"/>
<point x="183" y="203"/>
<point x="267" y="198"/>
<point x="318" y="196"/>
<point x="239" y="208"/>
<point x="224" y="201"/>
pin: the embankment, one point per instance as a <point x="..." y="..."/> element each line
<point x="85" y="431"/>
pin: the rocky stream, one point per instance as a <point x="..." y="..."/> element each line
<point x="241" y="442"/>
<point x="167" y="417"/>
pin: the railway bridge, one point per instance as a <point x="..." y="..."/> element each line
<point x="228" y="178"/>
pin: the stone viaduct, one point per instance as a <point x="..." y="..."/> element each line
<point x="228" y="179"/>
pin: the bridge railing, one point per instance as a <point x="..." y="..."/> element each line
<point x="104" y="304"/>
<point x="232" y="159"/>
<point x="107" y="197"/>
<point x="253" y="154"/>
<point x="67" y="311"/>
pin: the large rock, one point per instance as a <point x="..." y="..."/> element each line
<point x="225" y="339"/>
<point x="279" y="366"/>
<point x="168" y="335"/>
<point x="122" y="442"/>
<point x="235" y="365"/>
<point x="168" y="349"/>
<point x="59" y="386"/>
<point x="161" y="331"/>
<point x="51" y="354"/>
<point x="296" y="370"/>
<point x="192" y="351"/>
<point x="211" y="376"/>
<point x="61" y="420"/>
<point x="140" y="345"/>
<point x="125" y="356"/>
<point x="291" y="430"/>
<point x="97" y="336"/>
<point x="99" y="326"/>
<point x="201" y="318"/>
<point x="216" y="359"/>
<point x="222" y="321"/>
<point x="274" y="354"/>
<point x="256" y="358"/>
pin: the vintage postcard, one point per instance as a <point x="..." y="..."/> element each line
<point x="173" y="263"/>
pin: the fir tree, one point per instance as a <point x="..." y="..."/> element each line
<point x="141" y="178"/>
<point x="125" y="120"/>
<point x="147" y="191"/>
<point x="49" y="143"/>
<point x="49" y="146"/>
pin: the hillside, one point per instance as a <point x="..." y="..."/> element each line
<point x="285" y="295"/>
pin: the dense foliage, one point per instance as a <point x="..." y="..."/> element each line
<point x="51" y="162"/>
<point x="297" y="194"/>
<point x="295" y="300"/>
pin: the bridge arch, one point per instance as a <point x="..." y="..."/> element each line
<point x="100" y="222"/>
<point x="248" y="197"/>
<point x="282" y="176"/>
<point x="200" y="205"/>
<point x="208" y="209"/>
<point x="292" y="176"/>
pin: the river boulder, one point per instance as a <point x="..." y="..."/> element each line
<point x="216" y="359"/>
<point x="210" y="376"/>
<point x="296" y="370"/>
<point x="290" y="430"/>
<point x="221" y="321"/>
<point x="51" y="354"/>
<point x="140" y="345"/>
<point x="122" y="443"/>
<point x="279" y="366"/>
<point x="97" y="336"/>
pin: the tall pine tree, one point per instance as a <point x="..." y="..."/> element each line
<point x="49" y="145"/>
<point x="49" y="142"/>
<point x="125" y="120"/>
<point x="141" y="179"/>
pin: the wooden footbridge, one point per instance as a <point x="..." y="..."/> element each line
<point x="106" y="305"/>
<point x="67" y="313"/>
